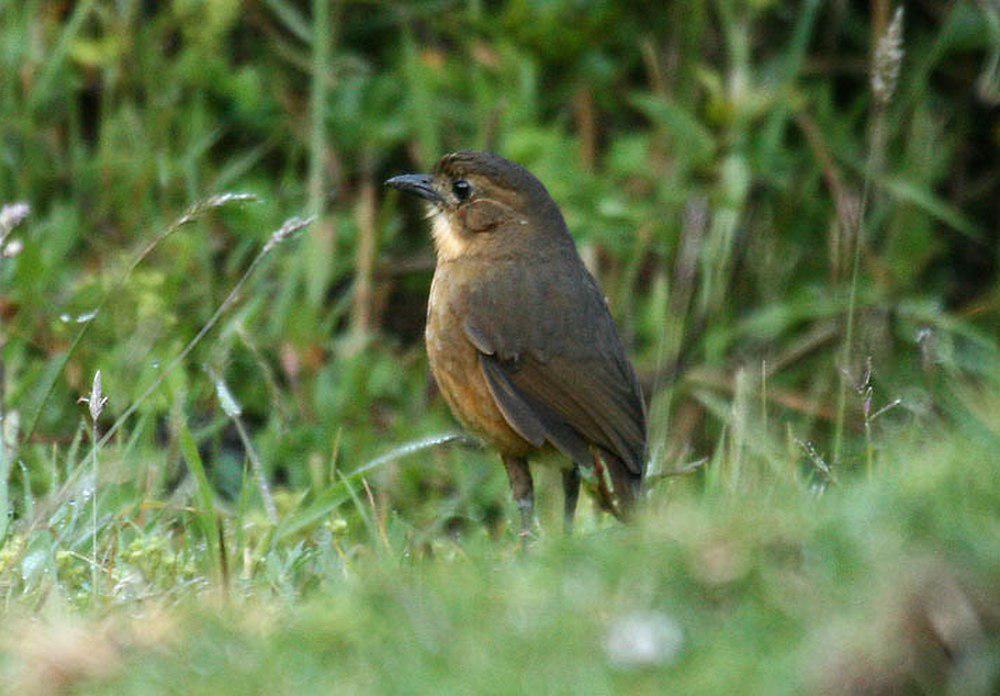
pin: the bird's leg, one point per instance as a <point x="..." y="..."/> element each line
<point x="571" y="493"/>
<point x="604" y="495"/>
<point x="523" y="490"/>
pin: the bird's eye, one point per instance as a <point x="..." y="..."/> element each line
<point x="462" y="189"/>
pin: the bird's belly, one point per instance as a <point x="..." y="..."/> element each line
<point x="454" y="361"/>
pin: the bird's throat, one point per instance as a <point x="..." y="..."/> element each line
<point x="448" y="241"/>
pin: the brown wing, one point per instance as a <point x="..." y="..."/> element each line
<point x="551" y="355"/>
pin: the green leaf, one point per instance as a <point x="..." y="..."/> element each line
<point x="689" y="134"/>
<point x="922" y="198"/>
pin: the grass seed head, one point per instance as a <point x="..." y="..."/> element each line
<point x="887" y="60"/>
<point x="291" y="227"/>
<point x="12" y="215"/>
<point x="96" y="401"/>
<point x="12" y="248"/>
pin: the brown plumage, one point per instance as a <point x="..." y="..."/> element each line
<point x="519" y="335"/>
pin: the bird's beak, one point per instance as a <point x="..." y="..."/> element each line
<point x="419" y="184"/>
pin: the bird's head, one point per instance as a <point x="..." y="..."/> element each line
<point x="483" y="204"/>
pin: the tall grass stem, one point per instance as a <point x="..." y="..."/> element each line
<point x="886" y="61"/>
<point x="319" y="250"/>
<point x="291" y="227"/>
<point x="95" y="405"/>
<point x="193" y="213"/>
<point x="233" y="410"/>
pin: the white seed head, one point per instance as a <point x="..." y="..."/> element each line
<point x="13" y="248"/>
<point x="12" y="215"/>
<point x="291" y="227"/>
<point x="222" y="199"/>
<point x="216" y="201"/>
<point x="228" y="402"/>
<point x="96" y="401"/>
<point x="887" y="60"/>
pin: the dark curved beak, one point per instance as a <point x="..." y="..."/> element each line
<point x="419" y="184"/>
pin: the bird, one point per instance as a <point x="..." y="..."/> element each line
<point x="519" y="336"/>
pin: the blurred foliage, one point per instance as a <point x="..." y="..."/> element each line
<point x="740" y="128"/>
<point x="711" y="159"/>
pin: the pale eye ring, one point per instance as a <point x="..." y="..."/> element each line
<point x="462" y="189"/>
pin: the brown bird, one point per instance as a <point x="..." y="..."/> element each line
<point x="519" y="336"/>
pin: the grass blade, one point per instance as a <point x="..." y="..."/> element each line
<point x="339" y="493"/>
<point x="206" y="516"/>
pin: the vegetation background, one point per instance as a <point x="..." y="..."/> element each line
<point x="793" y="209"/>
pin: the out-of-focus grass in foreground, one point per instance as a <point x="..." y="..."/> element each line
<point x="888" y="585"/>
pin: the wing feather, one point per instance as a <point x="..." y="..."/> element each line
<point x="556" y="367"/>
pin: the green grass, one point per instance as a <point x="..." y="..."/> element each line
<point x="889" y="583"/>
<point x="279" y="500"/>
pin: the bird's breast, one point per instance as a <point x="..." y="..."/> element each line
<point x="454" y="362"/>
